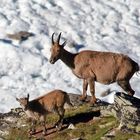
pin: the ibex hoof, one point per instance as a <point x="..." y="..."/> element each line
<point x="32" y="131"/>
<point x="83" y="99"/>
<point x="131" y="94"/>
<point x="58" y="127"/>
<point x="44" y="133"/>
<point x="93" y="102"/>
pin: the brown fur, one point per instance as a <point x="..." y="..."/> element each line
<point x="38" y="108"/>
<point x="91" y="66"/>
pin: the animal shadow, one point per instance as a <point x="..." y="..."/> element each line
<point x="78" y="46"/>
<point x="82" y="117"/>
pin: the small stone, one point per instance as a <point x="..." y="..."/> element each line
<point x="96" y="118"/>
<point x="107" y="124"/>
<point x="111" y="134"/>
<point x="76" y="139"/>
<point x="71" y="126"/>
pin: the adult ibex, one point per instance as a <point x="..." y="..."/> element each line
<point x="91" y="66"/>
<point x="38" y="108"/>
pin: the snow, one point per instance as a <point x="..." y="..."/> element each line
<point x="102" y="25"/>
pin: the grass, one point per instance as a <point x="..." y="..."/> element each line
<point x="17" y="134"/>
<point x="126" y="136"/>
<point x="88" y="131"/>
<point x="86" y="127"/>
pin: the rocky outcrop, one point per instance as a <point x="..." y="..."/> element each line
<point x="10" y="120"/>
<point x="125" y="108"/>
<point x="127" y="111"/>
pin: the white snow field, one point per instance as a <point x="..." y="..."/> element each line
<point x="101" y="25"/>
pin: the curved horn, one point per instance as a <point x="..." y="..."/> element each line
<point x="58" y="39"/>
<point x="53" y="38"/>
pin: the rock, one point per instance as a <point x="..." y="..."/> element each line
<point x="71" y="126"/>
<point x="97" y="118"/>
<point x="76" y="139"/>
<point x="105" y="125"/>
<point x="75" y="99"/>
<point x="10" y="120"/>
<point x="22" y="35"/>
<point x="106" y="110"/>
<point x="127" y="109"/>
<point x="106" y="138"/>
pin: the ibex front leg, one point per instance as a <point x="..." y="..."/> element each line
<point x="85" y="85"/>
<point x="32" y="128"/>
<point x="91" y="82"/>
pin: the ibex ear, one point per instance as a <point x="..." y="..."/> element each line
<point x="64" y="44"/>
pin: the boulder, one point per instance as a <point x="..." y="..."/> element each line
<point x="10" y="120"/>
<point x="127" y="111"/>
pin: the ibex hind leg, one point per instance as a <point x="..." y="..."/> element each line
<point x="61" y="112"/>
<point x="92" y="91"/>
<point x="125" y="85"/>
